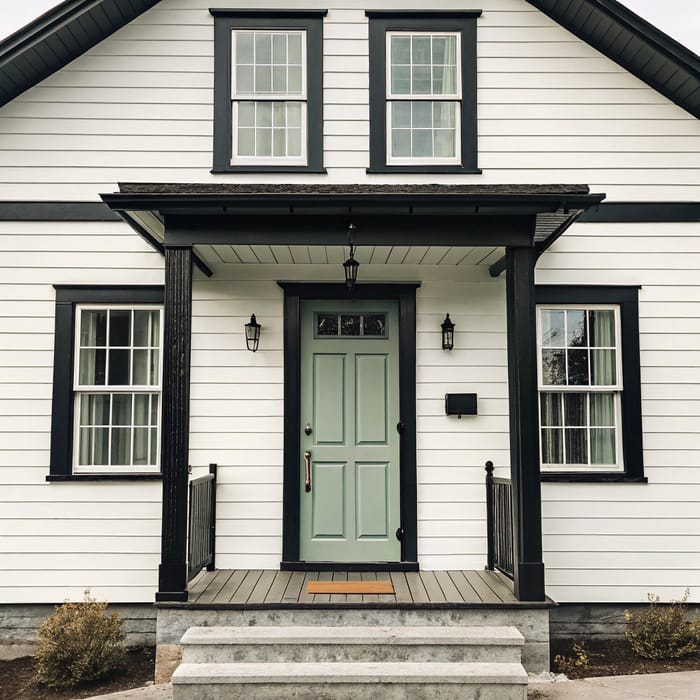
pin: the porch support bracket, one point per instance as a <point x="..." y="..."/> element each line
<point x="524" y="444"/>
<point x="177" y="328"/>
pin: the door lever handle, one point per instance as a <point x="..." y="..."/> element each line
<point x="307" y="471"/>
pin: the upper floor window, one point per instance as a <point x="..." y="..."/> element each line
<point x="588" y="379"/>
<point x="268" y="91"/>
<point x="423" y="91"/>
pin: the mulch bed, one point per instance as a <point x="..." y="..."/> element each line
<point x="616" y="658"/>
<point x="17" y="679"/>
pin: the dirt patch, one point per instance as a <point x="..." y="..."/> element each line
<point x="616" y="658"/>
<point x="18" y="679"/>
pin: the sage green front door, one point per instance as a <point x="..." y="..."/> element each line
<point x="349" y="461"/>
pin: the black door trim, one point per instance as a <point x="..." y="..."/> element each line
<point x="405" y="295"/>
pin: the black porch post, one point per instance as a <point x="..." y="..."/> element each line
<point x="172" y="574"/>
<point x="524" y="425"/>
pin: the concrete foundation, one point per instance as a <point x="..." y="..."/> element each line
<point x="19" y="625"/>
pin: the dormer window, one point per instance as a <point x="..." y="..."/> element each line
<point x="268" y="112"/>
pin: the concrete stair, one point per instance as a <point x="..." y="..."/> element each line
<point x="351" y="662"/>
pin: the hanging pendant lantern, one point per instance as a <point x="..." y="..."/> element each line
<point x="351" y="265"/>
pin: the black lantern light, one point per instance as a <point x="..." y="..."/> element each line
<point x="350" y="265"/>
<point x="252" y="334"/>
<point x="448" y="333"/>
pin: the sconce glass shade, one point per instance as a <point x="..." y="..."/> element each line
<point x="350" y="266"/>
<point x="252" y="334"/>
<point x="448" y="333"/>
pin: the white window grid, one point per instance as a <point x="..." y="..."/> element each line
<point x="585" y="389"/>
<point x="454" y="98"/>
<point x="256" y="97"/>
<point x="80" y="390"/>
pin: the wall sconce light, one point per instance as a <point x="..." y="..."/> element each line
<point x="448" y="333"/>
<point x="350" y="265"/>
<point x="252" y="334"/>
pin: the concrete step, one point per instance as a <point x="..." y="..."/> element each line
<point x="325" y="644"/>
<point x="350" y="681"/>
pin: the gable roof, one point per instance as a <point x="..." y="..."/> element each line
<point x="58" y="36"/>
<point x="68" y="30"/>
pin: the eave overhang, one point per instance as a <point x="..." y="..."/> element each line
<point x="452" y="215"/>
<point x="57" y="37"/>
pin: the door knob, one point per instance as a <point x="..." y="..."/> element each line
<point x="307" y="429"/>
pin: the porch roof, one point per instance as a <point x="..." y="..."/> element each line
<point x="226" y="214"/>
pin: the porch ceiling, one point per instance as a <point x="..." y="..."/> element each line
<point x="396" y="224"/>
<point x="244" y="254"/>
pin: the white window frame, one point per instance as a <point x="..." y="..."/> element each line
<point x="456" y="98"/>
<point x="587" y="389"/>
<point x="111" y="389"/>
<point x="237" y="97"/>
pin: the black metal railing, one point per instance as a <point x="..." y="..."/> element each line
<point x="202" y="523"/>
<point x="499" y="522"/>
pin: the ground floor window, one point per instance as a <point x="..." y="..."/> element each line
<point x="107" y="382"/>
<point x="588" y="381"/>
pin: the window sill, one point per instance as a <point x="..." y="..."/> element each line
<point x="603" y="477"/>
<point x="423" y="169"/>
<point x="269" y="169"/>
<point x="149" y="476"/>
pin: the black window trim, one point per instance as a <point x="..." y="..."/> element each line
<point x="380" y="22"/>
<point x="67" y="298"/>
<point x="627" y="298"/>
<point x="225" y="20"/>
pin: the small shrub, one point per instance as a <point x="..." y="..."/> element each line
<point x="79" y="643"/>
<point x="574" y="666"/>
<point x="661" y="631"/>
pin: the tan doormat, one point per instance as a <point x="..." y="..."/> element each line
<point x="350" y="587"/>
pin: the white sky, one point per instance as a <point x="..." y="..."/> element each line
<point x="678" y="18"/>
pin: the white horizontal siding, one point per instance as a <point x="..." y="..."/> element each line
<point x="617" y="542"/>
<point x="138" y="107"/>
<point x="237" y="412"/>
<point x="105" y="537"/>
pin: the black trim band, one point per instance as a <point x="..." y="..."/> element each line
<point x="642" y="212"/>
<point x="56" y="211"/>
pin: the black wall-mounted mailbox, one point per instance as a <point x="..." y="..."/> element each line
<point x="460" y="404"/>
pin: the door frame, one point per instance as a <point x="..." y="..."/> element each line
<point x="405" y="295"/>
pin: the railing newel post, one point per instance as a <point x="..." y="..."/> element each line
<point x="489" y="515"/>
<point x="213" y="468"/>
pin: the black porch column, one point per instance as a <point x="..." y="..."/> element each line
<point x="172" y="574"/>
<point x="524" y="424"/>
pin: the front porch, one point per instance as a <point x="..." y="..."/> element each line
<point x="250" y="589"/>
<point x="245" y="598"/>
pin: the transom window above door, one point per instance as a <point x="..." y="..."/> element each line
<point x="345" y="325"/>
<point x="268" y="85"/>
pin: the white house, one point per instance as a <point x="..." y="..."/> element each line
<point x="168" y="169"/>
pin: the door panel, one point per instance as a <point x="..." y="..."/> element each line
<point x="350" y="398"/>
<point x="371" y="399"/>
<point x="328" y="499"/>
<point x="329" y="398"/>
<point x="371" y="498"/>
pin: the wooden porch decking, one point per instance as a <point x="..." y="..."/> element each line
<point x="260" y="589"/>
